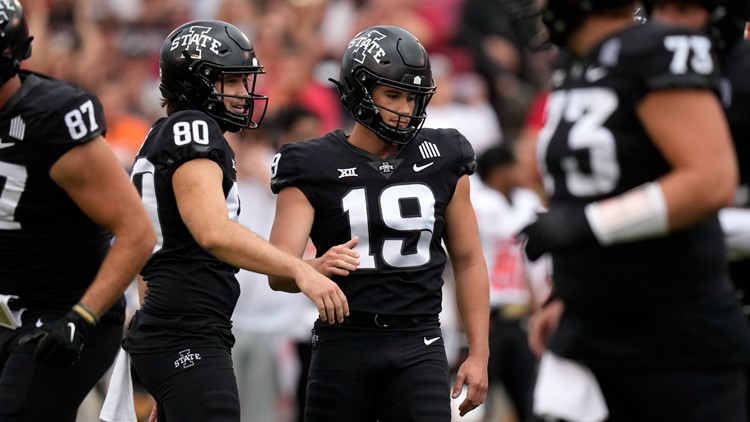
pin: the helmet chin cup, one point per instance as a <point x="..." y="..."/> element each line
<point x="388" y="133"/>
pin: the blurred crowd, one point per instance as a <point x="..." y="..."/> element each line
<point x="486" y="80"/>
<point x="489" y="88"/>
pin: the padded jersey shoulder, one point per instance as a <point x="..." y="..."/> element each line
<point x="665" y="56"/>
<point x="57" y="113"/>
<point x="455" y="142"/>
<point x="183" y="136"/>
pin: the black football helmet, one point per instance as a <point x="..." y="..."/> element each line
<point x="727" y="22"/>
<point x="526" y="19"/>
<point x="15" y="43"/>
<point x="391" y="56"/>
<point x="199" y="53"/>
<point x="562" y="17"/>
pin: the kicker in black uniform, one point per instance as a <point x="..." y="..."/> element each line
<point x="180" y="340"/>
<point x="380" y="205"/>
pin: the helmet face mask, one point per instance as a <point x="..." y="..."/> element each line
<point x="198" y="58"/>
<point x="15" y="43"/>
<point x="392" y="57"/>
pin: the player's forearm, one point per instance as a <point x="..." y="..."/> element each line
<point x="472" y="296"/>
<point x="120" y="267"/>
<point x="692" y="196"/>
<point x="240" y="247"/>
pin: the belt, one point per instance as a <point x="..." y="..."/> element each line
<point x="510" y="311"/>
<point x="388" y="321"/>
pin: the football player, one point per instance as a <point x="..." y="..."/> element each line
<point x="637" y="160"/>
<point x="388" y="194"/>
<point x="180" y="340"/>
<point x="724" y="21"/>
<point x="73" y="236"/>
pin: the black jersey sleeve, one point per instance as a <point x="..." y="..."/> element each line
<point x="461" y="154"/>
<point x="73" y="116"/>
<point x="736" y="98"/>
<point x="468" y="157"/>
<point x="666" y="57"/>
<point x="286" y="167"/>
<point x="187" y="135"/>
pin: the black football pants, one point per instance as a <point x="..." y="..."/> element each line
<point x="195" y="384"/>
<point x="31" y="391"/>
<point x="368" y="374"/>
<point x="511" y="363"/>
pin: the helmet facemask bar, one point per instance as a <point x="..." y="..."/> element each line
<point x="368" y="112"/>
<point x="255" y="105"/>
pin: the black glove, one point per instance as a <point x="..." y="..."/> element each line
<point x="559" y="228"/>
<point x="60" y="341"/>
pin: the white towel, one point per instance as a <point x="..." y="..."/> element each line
<point x="9" y="318"/>
<point x="566" y="389"/>
<point x="118" y="405"/>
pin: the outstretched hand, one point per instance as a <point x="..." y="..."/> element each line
<point x="339" y="260"/>
<point x="473" y="373"/>
<point x="326" y="294"/>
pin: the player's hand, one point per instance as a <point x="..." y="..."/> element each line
<point x="473" y="373"/>
<point x="559" y="228"/>
<point x="154" y="413"/>
<point x="61" y="340"/>
<point x="327" y="295"/>
<point x="542" y="324"/>
<point x="339" y="260"/>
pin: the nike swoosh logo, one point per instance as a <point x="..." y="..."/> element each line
<point x="6" y="145"/>
<point x="73" y="331"/>
<point x="593" y="74"/>
<point x="420" y="168"/>
<point x="430" y="341"/>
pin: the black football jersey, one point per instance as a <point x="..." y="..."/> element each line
<point x="637" y="301"/>
<point x="50" y="250"/>
<point x="735" y="93"/>
<point x="188" y="287"/>
<point x="396" y="206"/>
